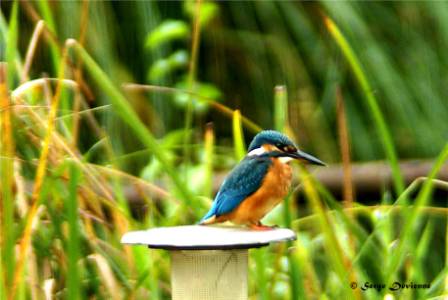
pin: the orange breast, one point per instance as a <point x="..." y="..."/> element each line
<point x="273" y="189"/>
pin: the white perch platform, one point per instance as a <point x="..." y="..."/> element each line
<point x="208" y="262"/>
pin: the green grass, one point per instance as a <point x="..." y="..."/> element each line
<point x="71" y="150"/>
<point x="377" y="115"/>
<point x="74" y="288"/>
<point x="281" y="124"/>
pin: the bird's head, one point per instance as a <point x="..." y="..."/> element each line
<point x="276" y="144"/>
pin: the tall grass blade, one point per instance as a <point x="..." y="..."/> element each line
<point x="7" y="239"/>
<point x="148" y="271"/>
<point x="260" y="256"/>
<point x="38" y="182"/>
<point x="344" y="144"/>
<point x="370" y="248"/>
<point x="47" y="15"/>
<point x="238" y="138"/>
<point x="332" y="247"/>
<point x="438" y="284"/>
<point x="280" y="108"/>
<point x="11" y="45"/>
<point x="417" y="272"/>
<point x="280" y="123"/>
<point x="31" y="51"/>
<point x="73" y="277"/>
<point x="348" y="190"/>
<point x="192" y="78"/>
<point x="106" y="275"/>
<point x="372" y="103"/>
<point x="412" y="218"/>
<point x="296" y="271"/>
<point x="127" y="114"/>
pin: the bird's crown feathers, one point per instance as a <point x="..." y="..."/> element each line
<point x="270" y="137"/>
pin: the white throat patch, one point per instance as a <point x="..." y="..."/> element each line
<point x="285" y="159"/>
<point x="257" y="151"/>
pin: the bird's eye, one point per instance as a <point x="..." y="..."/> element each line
<point x="289" y="149"/>
<point x="286" y="148"/>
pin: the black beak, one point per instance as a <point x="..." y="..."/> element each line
<point x="305" y="157"/>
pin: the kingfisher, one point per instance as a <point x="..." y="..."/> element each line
<point x="259" y="182"/>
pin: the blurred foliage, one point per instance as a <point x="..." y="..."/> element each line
<point x="167" y="31"/>
<point x="99" y="98"/>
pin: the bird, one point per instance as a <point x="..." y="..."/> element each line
<point x="258" y="182"/>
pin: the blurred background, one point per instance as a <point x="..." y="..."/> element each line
<point x="158" y="103"/>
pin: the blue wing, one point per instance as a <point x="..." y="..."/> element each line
<point x="243" y="181"/>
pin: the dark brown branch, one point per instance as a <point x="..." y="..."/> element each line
<point x="375" y="177"/>
<point x="369" y="179"/>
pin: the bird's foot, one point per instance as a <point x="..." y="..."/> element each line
<point x="261" y="227"/>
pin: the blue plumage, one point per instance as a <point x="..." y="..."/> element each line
<point x="244" y="180"/>
<point x="247" y="177"/>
